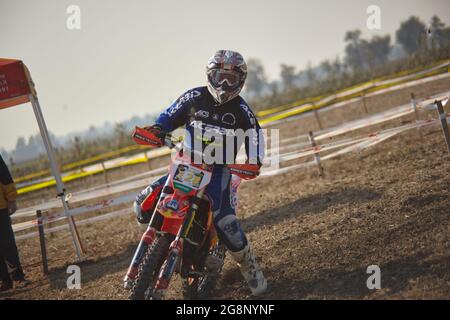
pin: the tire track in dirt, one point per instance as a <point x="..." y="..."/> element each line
<point x="388" y="205"/>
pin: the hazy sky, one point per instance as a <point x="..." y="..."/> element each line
<point x="134" y="57"/>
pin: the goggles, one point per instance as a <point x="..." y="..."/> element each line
<point x="218" y="77"/>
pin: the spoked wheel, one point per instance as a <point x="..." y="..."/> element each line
<point x="149" y="268"/>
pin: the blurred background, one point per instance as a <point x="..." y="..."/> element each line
<point x="130" y="59"/>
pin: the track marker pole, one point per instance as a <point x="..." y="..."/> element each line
<point x="364" y="102"/>
<point x="443" y="118"/>
<point x="40" y="225"/>
<point x="416" y="112"/>
<point x="414" y="105"/>
<point x="316" y="154"/>
<point x="105" y="173"/>
<point x="316" y="114"/>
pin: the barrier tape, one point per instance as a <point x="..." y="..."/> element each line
<point x="96" y="169"/>
<point x="79" y="223"/>
<point x="114" y="188"/>
<point x="80" y="163"/>
<point x="298" y="108"/>
<point x="86" y="196"/>
<point x="51" y="218"/>
<point x="359" y="88"/>
<point x="380" y="117"/>
<point x="351" y="143"/>
<point x="361" y="145"/>
<point x="355" y="144"/>
<point x="344" y="103"/>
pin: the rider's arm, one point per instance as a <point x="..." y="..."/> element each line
<point x="175" y="115"/>
<point x="254" y="143"/>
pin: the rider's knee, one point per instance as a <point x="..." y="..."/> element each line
<point x="142" y="217"/>
<point x="145" y="203"/>
<point x="230" y="232"/>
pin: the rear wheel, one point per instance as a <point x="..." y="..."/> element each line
<point x="149" y="268"/>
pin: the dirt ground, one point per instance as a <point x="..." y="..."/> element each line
<point x="388" y="206"/>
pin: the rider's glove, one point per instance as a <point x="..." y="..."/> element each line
<point x="157" y="130"/>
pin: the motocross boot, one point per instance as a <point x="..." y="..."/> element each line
<point x="250" y="270"/>
<point x="215" y="259"/>
<point x="6" y="285"/>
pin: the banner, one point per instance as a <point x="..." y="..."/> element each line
<point x="14" y="83"/>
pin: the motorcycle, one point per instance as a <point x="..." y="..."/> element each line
<point x="181" y="234"/>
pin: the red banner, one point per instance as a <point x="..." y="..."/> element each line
<point x="14" y="83"/>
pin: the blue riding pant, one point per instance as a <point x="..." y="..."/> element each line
<point x="223" y="204"/>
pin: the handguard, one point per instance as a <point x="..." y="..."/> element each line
<point x="147" y="138"/>
<point x="244" y="171"/>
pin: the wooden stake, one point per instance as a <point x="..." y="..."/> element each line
<point x="41" y="231"/>
<point x="316" y="114"/>
<point x="316" y="155"/>
<point x="80" y="244"/>
<point x="105" y="173"/>
<point x="443" y="118"/>
<point x="364" y="103"/>
<point x="416" y="112"/>
<point x="414" y="105"/>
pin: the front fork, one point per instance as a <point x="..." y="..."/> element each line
<point x="146" y="240"/>
<point x="176" y="249"/>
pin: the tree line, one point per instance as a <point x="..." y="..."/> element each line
<point x="416" y="44"/>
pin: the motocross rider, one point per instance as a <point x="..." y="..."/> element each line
<point x="216" y="108"/>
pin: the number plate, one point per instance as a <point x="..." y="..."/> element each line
<point x="188" y="176"/>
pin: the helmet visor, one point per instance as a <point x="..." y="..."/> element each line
<point x="218" y="77"/>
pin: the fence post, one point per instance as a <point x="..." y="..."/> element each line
<point x="40" y="225"/>
<point x="414" y="105"/>
<point x="443" y="118"/>
<point x="316" y="114"/>
<point x="416" y="112"/>
<point x="316" y="155"/>
<point x="75" y="229"/>
<point x="364" y="102"/>
<point x="105" y="173"/>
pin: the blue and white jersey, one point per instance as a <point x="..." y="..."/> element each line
<point x="217" y="128"/>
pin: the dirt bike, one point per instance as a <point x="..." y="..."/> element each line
<point x="181" y="233"/>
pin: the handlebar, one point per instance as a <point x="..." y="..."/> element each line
<point x="145" y="137"/>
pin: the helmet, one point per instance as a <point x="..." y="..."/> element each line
<point x="226" y="72"/>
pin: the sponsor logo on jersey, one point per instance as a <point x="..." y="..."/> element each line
<point x="202" y="114"/>
<point x="211" y="128"/>
<point x="229" y="118"/>
<point x="186" y="97"/>
<point x="172" y="204"/>
<point x="250" y="114"/>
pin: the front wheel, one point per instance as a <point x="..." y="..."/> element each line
<point x="149" y="268"/>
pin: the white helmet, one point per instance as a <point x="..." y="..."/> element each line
<point x="226" y="72"/>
